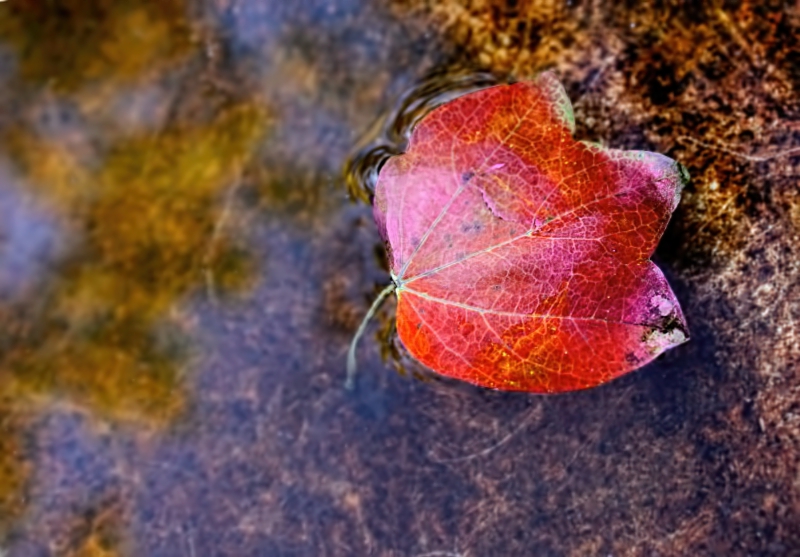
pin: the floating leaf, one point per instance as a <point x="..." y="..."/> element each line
<point x="520" y="256"/>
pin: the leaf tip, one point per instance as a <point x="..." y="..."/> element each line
<point x="671" y="331"/>
<point x="658" y="341"/>
<point x="557" y="95"/>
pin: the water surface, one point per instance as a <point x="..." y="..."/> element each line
<point x="187" y="247"/>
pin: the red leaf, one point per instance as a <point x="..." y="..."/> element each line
<point x="520" y="255"/>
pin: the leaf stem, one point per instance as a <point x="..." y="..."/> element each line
<point x="350" y="383"/>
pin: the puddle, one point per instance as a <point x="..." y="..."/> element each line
<point x="187" y="247"/>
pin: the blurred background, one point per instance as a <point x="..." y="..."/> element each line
<point x="187" y="247"/>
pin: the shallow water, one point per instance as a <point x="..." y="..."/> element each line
<point x="186" y="249"/>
